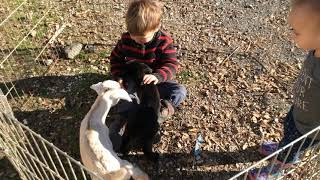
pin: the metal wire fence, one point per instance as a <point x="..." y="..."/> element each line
<point x="30" y="35"/>
<point x="29" y="31"/>
<point x="306" y="166"/>
<point x="33" y="156"/>
<point x="26" y="40"/>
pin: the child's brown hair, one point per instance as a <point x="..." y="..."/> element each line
<point x="143" y="16"/>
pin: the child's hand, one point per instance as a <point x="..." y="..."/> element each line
<point x="149" y="78"/>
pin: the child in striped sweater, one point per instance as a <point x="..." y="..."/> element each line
<point x="146" y="43"/>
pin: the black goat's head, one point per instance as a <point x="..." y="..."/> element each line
<point x="137" y="70"/>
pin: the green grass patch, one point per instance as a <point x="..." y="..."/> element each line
<point x="83" y="56"/>
<point x="17" y="2"/>
<point x="28" y="44"/>
<point x="185" y="75"/>
<point x="104" y="54"/>
<point x="41" y="30"/>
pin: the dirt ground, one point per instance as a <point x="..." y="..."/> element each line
<point x="237" y="63"/>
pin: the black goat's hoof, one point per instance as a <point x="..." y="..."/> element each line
<point x="124" y="151"/>
<point x="154" y="157"/>
<point x="157" y="138"/>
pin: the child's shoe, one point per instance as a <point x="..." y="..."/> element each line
<point x="266" y="173"/>
<point x="166" y="110"/>
<point x="268" y="148"/>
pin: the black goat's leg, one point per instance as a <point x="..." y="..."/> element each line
<point x="124" y="149"/>
<point x="147" y="150"/>
<point x="114" y="132"/>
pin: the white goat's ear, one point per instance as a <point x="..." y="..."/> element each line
<point x="97" y="87"/>
<point x="110" y="84"/>
<point x="122" y="94"/>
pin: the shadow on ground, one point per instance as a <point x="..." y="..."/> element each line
<point x="183" y="165"/>
<point x="55" y="105"/>
<point x="60" y="125"/>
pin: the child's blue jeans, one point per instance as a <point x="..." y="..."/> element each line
<point x="291" y="133"/>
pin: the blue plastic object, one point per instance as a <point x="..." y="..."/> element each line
<point x="197" y="148"/>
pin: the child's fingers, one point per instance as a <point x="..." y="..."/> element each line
<point x="154" y="80"/>
<point x="150" y="80"/>
<point x="147" y="80"/>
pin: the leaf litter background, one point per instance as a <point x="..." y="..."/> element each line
<point x="237" y="62"/>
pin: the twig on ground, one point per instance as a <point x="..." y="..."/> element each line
<point x="223" y="61"/>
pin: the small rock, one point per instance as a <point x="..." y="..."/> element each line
<point x="47" y="62"/>
<point x="249" y="6"/>
<point x="245" y="146"/>
<point x="94" y="67"/>
<point x="89" y="48"/>
<point x="73" y="50"/>
<point x="185" y="136"/>
<point x="25" y="121"/>
<point x="66" y="117"/>
<point x="33" y="33"/>
<point x="39" y="99"/>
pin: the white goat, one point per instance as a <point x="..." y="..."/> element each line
<point x="95" y="145"/>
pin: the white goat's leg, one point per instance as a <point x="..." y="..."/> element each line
<point x="121" y="174"/>
<point x="136" y="173"/>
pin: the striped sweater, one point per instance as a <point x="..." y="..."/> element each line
<point x="159" y="54"/>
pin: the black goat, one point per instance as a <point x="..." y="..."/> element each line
<point x="144" y="126"/>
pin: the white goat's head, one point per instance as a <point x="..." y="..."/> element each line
<point x="111" y="91"/>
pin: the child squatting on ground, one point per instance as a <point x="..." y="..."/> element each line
<point x="146" y="43"/>
<point x="304" y="115"/>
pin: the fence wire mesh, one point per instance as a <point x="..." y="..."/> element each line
<point x="33" y="32"/>
<point x="28" y="36"/>
<point x="34" y="157"/>
<point x="306" y="161"/>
